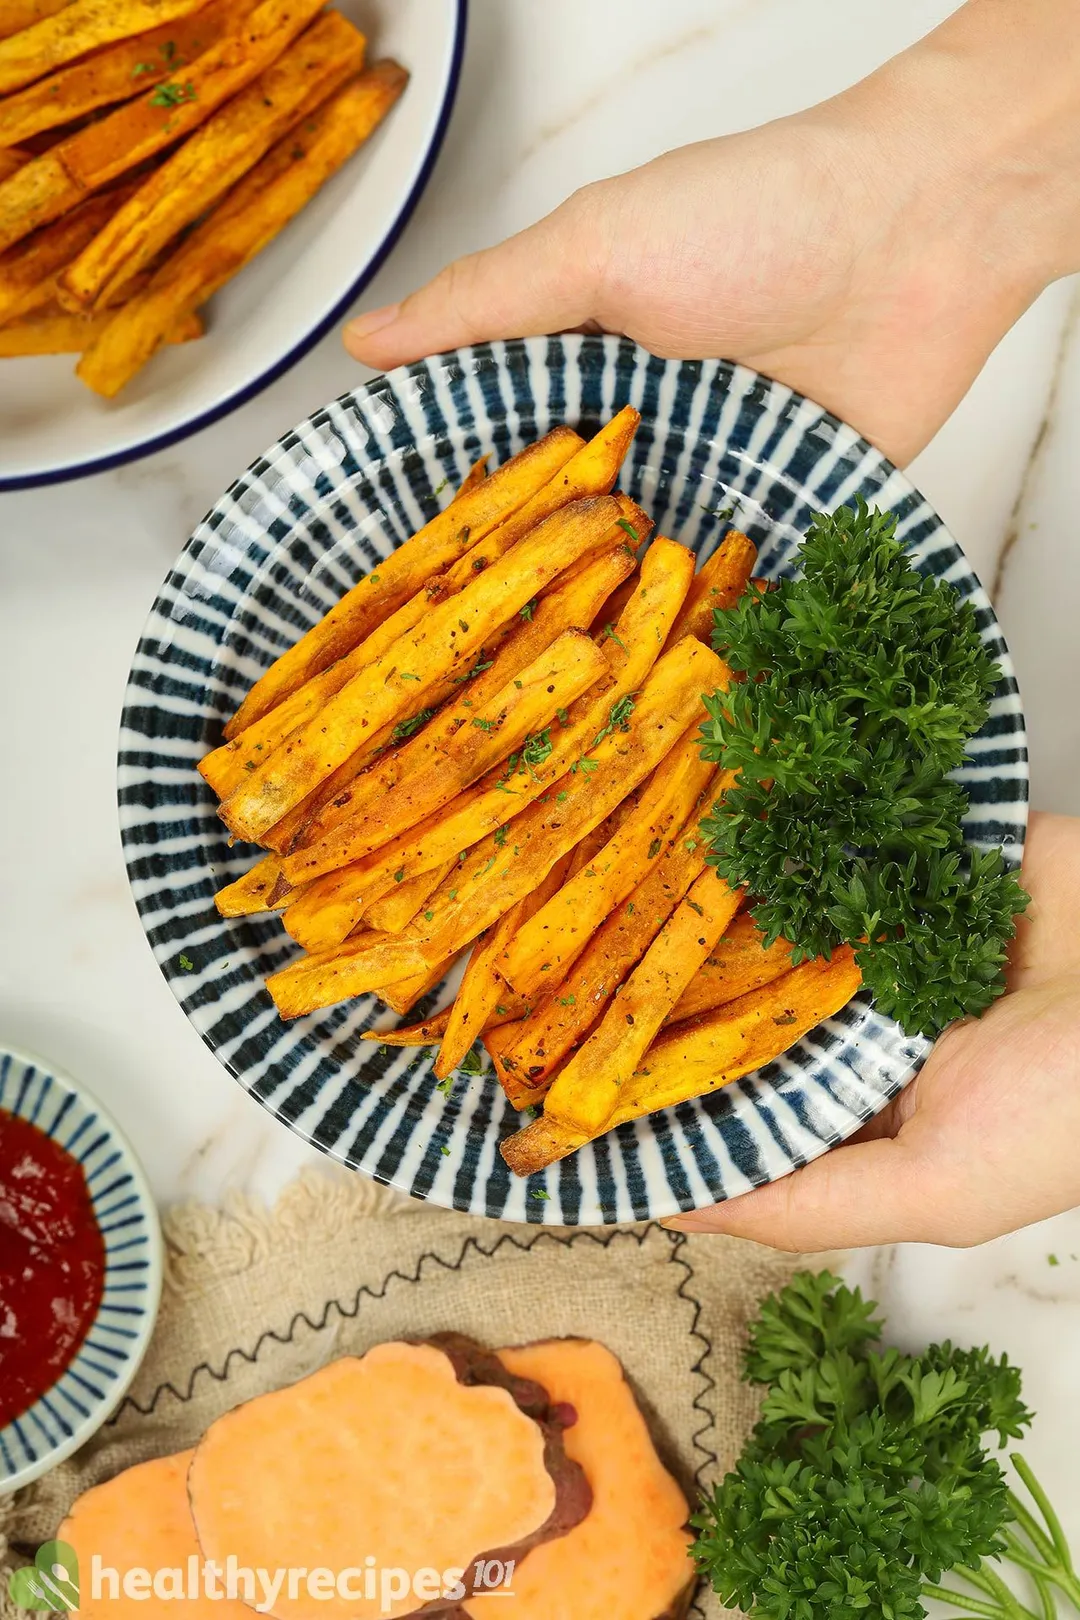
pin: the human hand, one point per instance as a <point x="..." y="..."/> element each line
<point x="870" y="252"/>
<point x="983" y="1141"/>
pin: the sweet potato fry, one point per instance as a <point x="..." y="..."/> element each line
<point x="28" y="270"/>
<point x="103" y="150"/>
<point x="571" y="603"/>
<point x="528" y="703"/>
<point x="488" y="886"/>
<point x="596" y="465"/>
<point x="558" y="933"/>
<point x="526" y="1055"/>
<point x="194" y="177"/>
<point x="717" y="584"/>
<point x="444" y="644"/>
<point x="444" y="539"/>
<point x="403" y="995"/>
<point x="397" y="909"/>
<point x="482" y="988"/>
<point x="356" y="968"/>
<point x="61" y="333"/>
<point x="587" y="1091"/>
<point x="255" y="891"/>
<point x="15" y="15"/>
<point x="121" y="71"/>
<point x="428" y="1033"/>
<point x="60" y="34"/>
<point x="738" y="964"/>
<point x="11" y="159"/>
<point x="224" y="768"/>
<point x="696" y="1059"/>
<point x="487" y="806"/>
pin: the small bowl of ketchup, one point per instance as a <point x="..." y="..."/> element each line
<point x="80" y="1267"/>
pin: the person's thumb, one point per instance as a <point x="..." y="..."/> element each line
<point x="864" y="1193"/>
<point x="541" y="281"/>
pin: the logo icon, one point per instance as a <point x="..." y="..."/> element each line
<point x="50" y="1582"/>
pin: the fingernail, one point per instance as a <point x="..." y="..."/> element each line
<point x="692" y="1221"/>
<point x="374" y="321"/>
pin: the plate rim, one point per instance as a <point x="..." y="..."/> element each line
<point x="498" y="353"/>
<point x="104" y="1411"/>
<point x="46" y="478"/>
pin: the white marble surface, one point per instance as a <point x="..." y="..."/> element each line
<point x="553" y="95"/>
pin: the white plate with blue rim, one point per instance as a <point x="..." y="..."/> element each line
<point x="93" y="1383"/>
<point x="53" y="428"/>
<point x="718" y="447"/>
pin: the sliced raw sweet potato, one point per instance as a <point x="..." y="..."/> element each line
<point x="411" y="1454"/>
<point x="141" y="1520"/>
<point x="629" y="1557"/>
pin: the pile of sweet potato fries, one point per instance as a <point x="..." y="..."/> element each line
<point x="149" y="149"/>
<point x="492" y="741"/>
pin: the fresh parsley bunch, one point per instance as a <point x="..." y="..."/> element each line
<point x="868" y="1476"/>
<point x="864" y="682"/>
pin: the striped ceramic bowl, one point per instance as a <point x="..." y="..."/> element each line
<point x="94" y="1383"/>
<point x="718" y="447"/>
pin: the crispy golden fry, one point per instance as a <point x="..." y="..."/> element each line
<point x="482" y="988"/>
<point x="526" y="705"/>
<point x="587" y="1091"/>
<point x="738" y="964"/>
<point x="61" y="333"/>
<point x="405" y="993"/>
<point x="542" y="833"/>
<point x="428" y="1033"/>
<point x="397" y="909"/>
<point x="526" y="1055"/>
<point x="255" y="891"/>
<point x="592" y="470"/>
<point x="487" y="806"/>
<point x="558" y="933"/>
<point x="697" y="1059"/>
<point x="46" y="41"/>
<point x="28" y="270"/>
<point x="717" y="584"/>
<point x="408" y="570"/>
<point x="12" y="158"/>
<point x="569" y="603"/>
<point x="194" y="177"/>
<point x="118" y="73"/>
<point x="103" y="150"/>
<point x="446" y="643"/>
<point x="364" y="964"/>
<point x="15" y="15"/>
<point x="224" y="768"/>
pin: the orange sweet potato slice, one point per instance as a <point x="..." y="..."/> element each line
<point x="141" y="1521"/>
<point x="628" y="1559"/>
<point x="412" y="1454"/>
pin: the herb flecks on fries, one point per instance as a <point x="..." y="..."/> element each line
<point x="531" y="739"/>
<point x="169" y="141"/>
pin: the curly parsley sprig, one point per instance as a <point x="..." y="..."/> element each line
<point x="865" y="682"/>
<point x="868" y="1476"/>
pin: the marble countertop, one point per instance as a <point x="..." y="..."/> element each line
<point x="552" y="95"/>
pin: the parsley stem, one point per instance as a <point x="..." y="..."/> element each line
<point x="1053" y="1523"/>
<point x="1023" y="1559"/>
<point x="989" y="1581"/>
<point x="1032" y="1529"/>
<point x="992" y="1611"/>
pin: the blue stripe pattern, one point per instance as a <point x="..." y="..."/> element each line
<point x="719" y="447"/>
<point x="90" y="1388"/>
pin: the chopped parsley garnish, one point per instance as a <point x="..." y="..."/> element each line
<point x="405" y="676"/>
<point x="399" y="874"/>
<point x="408" y="728"/>
<point x="628" y="527"/>
<point x="562" y="716"/>
<point x="501" y="835"/>
<point x="655" y="848"/>
<point x="609" y="631"/>
<point x="173" y="95"/>
<point x="185" y="962"/>
<point x="618" y="719"/>
<point x="528" y="610"/>
<point x="541" y="1194"/>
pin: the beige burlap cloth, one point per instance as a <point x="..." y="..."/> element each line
<point x="254" y="1300"/>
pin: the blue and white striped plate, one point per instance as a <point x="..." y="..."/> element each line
<point x="108" y="1359"/>
<point x="718" y="446"/>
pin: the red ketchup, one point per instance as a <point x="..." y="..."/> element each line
<point x="52" y="1263"/>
